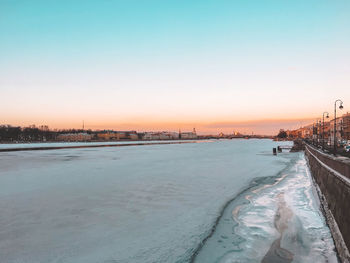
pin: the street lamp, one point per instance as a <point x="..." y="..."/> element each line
<point x="319" y="132"/>
<point x="318" y="124"/>
<point x="323" y="128"/>
<point x="335" y="123"/>
<point x="316" y="128"/>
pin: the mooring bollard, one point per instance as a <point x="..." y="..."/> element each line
<point x="279" y="149"/>
<point x="274" y="151"/>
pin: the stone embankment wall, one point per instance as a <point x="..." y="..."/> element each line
<point x="332" y="176"/>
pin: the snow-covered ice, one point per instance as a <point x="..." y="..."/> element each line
<point x="153" y="203"/>
<point x="277" y="219"/>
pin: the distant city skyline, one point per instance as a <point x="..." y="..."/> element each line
<point x="257" y="127"/>
<point x="218" y="66"/>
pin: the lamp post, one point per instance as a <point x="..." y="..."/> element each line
<point x="319" y="132"/>
<point x="335" y="124"/>
<point x="316" y="126"/>
<point x="323" y="128"/>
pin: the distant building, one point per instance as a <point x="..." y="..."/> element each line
<point x="151" y="136"/>
<point x="74" y="137"/>
<point x="161" y="136"/>
<point x="338" y="132"/>
<point x="325" y="131"/>
<point x="117" y="135"/>
<point x="346" y="126"/>
<point x="292" y="134"/>
<point x="107" y="136"/>
<point x="133" y="136"/>
<point x="188" y="135"/>
<point x="342" y="128"/>
<point x="307" y="132"/>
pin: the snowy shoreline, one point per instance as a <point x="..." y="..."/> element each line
<point x="266" y="222"/>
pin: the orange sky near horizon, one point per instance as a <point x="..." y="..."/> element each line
<point x="255" y="116"/>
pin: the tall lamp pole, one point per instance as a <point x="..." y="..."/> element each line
<point x="318" y="124"/>
<point x="335" y="123"/>
<point x="316" y="133"/>
<point x="319" y="127"/>
<point x="323" y="128"/>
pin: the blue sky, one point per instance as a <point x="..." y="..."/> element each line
<point x="121" y="63"/>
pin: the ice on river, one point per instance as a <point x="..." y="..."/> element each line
<point x="153" y="203"/>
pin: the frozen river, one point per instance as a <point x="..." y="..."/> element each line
<point x="221" y="201"/>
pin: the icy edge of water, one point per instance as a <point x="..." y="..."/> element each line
<point x="255" y="184"/>
<point x="276" y="219"/>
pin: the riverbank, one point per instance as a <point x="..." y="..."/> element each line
<point x="332" y="179"/>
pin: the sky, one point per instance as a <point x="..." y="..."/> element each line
<point x="219" y="66"/>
